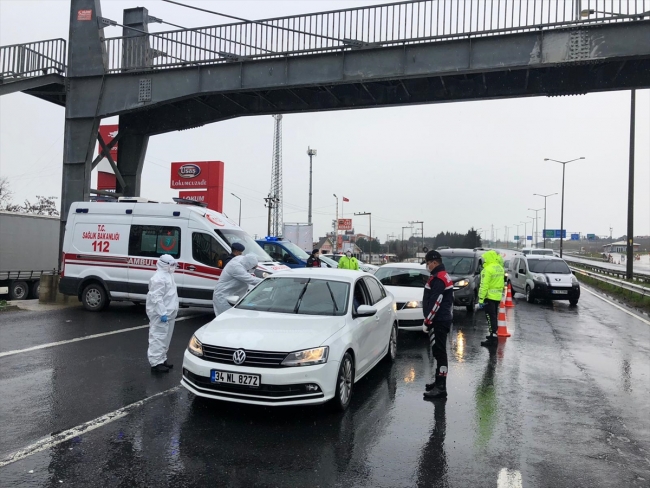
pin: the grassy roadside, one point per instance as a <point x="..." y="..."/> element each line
<point x="630" y="298"/>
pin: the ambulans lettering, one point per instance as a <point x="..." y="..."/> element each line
<point x="142" y="262"/>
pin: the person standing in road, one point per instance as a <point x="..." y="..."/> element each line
<point x="235" y="250"/>
<point x="234" y="281"/>
<point x="313" y="261"/>
<point x="348" y="262"/>
<point x="162" y="307"/>
<point x="437" y="306"/>
<point x="490" y="293"/>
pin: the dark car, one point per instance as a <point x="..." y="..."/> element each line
<point x="464" y="267"/>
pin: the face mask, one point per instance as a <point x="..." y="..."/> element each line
<point x="348" y="254"/>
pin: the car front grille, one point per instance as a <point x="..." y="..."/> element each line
<point x="255" y="359"/>
<point x="410" y="323"/>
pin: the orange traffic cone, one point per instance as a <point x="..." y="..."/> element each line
<point x="502" y="330"/>
<point x="509" y="302"/>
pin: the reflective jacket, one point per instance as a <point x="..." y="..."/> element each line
<point x="438" y="297"/>
<point x="492" y="277"/>
<point x="348" y="263"/>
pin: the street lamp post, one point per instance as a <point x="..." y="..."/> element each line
<point x="545" y="197"/>
<point x="369" y="214"/>
<point x="478" y="233"/>
<point x="239" y="207"/>
<point x="405" y="227"/>
<point x="563" y="163"/>
<point x="532" y="227"/>
<point x="421" y="230"/>
<point x="311" y="153"/>
<point x="336" y="226"/>
<point x="518" y="235"/>
<point x="536" y="224"/>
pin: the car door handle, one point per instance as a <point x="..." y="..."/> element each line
<point x="191" y="268"/>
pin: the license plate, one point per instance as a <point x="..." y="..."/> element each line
<point x="560" y="292"/>
<point x="252" y="380"/>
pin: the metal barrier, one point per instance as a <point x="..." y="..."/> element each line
<point x="641" y="290"/>
<point x="32" y="59"/>
<point x="643" y="277"/>
<point x="382" y="25"/>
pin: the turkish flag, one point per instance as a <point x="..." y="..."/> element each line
<point x="346" y="199"/>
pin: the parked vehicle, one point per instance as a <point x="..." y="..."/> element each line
<point x="329" y="263"/>
<point x="285" y="252"/>
<point x="299" y="337"/>
<point x="110" y="250"/>
<point x="29" y="245"/>
<point x="464" y="267"/>
<point x="368" y="268"/>
<point x="537" y="251"/>
<point x="543" y="277"/>
<point x="405" y="281"/>
<point x="302" y="235"/>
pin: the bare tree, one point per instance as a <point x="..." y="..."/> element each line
<point x="42" y="206"/>
<point x="5" y="193"/>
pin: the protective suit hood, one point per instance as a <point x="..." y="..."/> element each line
<point x="249" y="262"/>
<point x="166" y="263"/>
<point x="235" y="279"/>
<point x="490" y="257"/>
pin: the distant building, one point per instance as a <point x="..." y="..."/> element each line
<point x="619" y="247"/>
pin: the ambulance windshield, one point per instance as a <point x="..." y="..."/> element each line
<point x="231" y="236"/>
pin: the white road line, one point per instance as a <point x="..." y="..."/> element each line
<point x="84" y="338"/>
<point x="617" y="306"/>
<point x="55" y="439"/>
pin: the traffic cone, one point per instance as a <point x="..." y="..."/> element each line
<point x="509" y="302"/>
<point x="502" y="330"/>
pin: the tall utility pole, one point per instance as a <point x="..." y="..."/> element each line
<point x="336" y="226"/>
<point x="518" y="235"/>
<point x="629" y="268"/>
<point x="405" y="227"/>
<point x="525" y="233"/>
<point x="239" y="207"/>
<point x="544" y="197"/>
<point x="311" y="153"/>
<point x="276" y="178"/>
<point x="532" y="227"/>
<point x="369" y="214"/>
<point x="537" y="225"/>
<point x="421" y="231"/>
<point x="271" y="203"/>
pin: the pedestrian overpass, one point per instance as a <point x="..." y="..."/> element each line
<point x="414" y="52"/>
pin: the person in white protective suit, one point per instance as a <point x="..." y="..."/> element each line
<point x="234" y="280"/>
<point x="162" y="307"/>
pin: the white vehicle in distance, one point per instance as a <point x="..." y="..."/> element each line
<point x="368" y="268"/>
<point x="545" y="278"/>
<point x="304" y="336"/>
<point x="535" y="251"/>
<point x="405" y="281"/>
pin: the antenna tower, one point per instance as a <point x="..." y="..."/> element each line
<point x="276" y="178"/>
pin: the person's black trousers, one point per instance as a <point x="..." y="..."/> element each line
<point x="491" y="313"/>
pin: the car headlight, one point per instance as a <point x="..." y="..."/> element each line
<point x="461" y="283"/>
<point x="413" y="305"/>
<point x="261" y="274"/>
<point x="574" y="280"/>
<point x="539" y="277"/>
<point x="395" y="306"/>
<point x="308" y="357"/>
<point x="195" y="347"/>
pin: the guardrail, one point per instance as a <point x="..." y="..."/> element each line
<point x="353" y="28"/>
<point x="603" y="270"/>
<point x="20" y="61"/>
<point x="24" y="275"/>
<point x="641" y="290"/>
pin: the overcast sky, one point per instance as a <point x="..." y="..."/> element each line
<point x="453" y="166"/>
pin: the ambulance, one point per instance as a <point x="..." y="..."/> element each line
<point x="110" y="250"/>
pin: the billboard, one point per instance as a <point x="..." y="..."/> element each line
<point x="108" y="133"/>
<point x="345" y="224"/>
<point x="199" y="175"/>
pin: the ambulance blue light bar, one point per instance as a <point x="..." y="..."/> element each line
<point x="272" y="239"/>
<point x="82" y="210"/>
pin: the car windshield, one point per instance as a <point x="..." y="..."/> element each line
<point x="295" y="250"/>
<point x="552" y="266"/>
<point x="231" y="236"/>
<point x="408" y="277"/>
<point x="306" y="296"/>
<point x="457" y="265"/>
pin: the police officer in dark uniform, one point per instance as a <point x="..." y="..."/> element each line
<point x="236" y="249"/>
<point x="313" y="261"/>
<point x="437" y="306"/>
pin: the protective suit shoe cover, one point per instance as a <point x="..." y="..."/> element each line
<point x="160" y="368"/>
<point x="490" y="342"/>
<point x="438" y="391"/>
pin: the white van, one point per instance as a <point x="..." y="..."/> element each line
<point x="110" y="250"/>
<point x="526" y="251"/>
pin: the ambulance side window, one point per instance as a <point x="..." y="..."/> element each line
<point x="207" y="250"/>
<point x="154" y="240"/>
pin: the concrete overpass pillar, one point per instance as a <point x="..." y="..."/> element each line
<point x="130" y="161"/>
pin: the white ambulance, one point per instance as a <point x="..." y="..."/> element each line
<point x="110" y="250"/>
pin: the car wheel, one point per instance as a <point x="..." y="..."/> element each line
<point x="529" y="295"/>
<point x="471" y="306"/>
<point x="18" y="290"/>
<point x="344" y="384"/>
<point x="391" y="353"/>
<point x="573" y="303"/>
<point x="94" y="297"/>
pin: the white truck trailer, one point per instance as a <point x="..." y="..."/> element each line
<point x="302" y="235"/>
<point x="29" y="246"/>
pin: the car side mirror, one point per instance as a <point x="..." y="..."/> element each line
<point x="366" y="311"/>
<point x="232" y="300"/>
<point x="523" y="271"/>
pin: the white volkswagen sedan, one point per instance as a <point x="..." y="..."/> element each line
<point x="304" y="336"/>
<point x="405" y="281"/>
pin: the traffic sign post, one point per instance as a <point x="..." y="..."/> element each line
<point x="591" y="237"/>
<point x="575" y="237"/>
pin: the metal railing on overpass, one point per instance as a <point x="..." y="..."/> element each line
<point x="20" y="61"/>
<point x="353" y="28"/>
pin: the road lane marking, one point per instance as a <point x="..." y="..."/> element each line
<point x="618" y="306"/>
<point x="85" y="338"/>
<point x="56" y="439"/>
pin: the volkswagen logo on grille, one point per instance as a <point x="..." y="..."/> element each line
<point x="239" y="356"/>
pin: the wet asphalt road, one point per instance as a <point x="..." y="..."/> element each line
<point x="563" y="402"/>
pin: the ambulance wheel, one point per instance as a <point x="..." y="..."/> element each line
<point x="94" y="297"/>
<point x="18" y="290"/>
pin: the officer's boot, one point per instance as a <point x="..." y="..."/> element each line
<point x="490" y="341"/>
<point x="439" y="389"/>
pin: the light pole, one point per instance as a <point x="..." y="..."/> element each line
<point x="478" y="233"/>
<point x="421" y="230"/>
<point x="532" y="226"/>
<point x="536" y="224"/>
<point x="336" y="226"/>
<point x="369" y="214"/>
<point x="563" y="163"/>
<point x="518" y="235"/>
<point x="239" y="207"/>
<point x="311" y="153"/>
<point x="405" y="227"/>
<point x="545" y="197"/>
